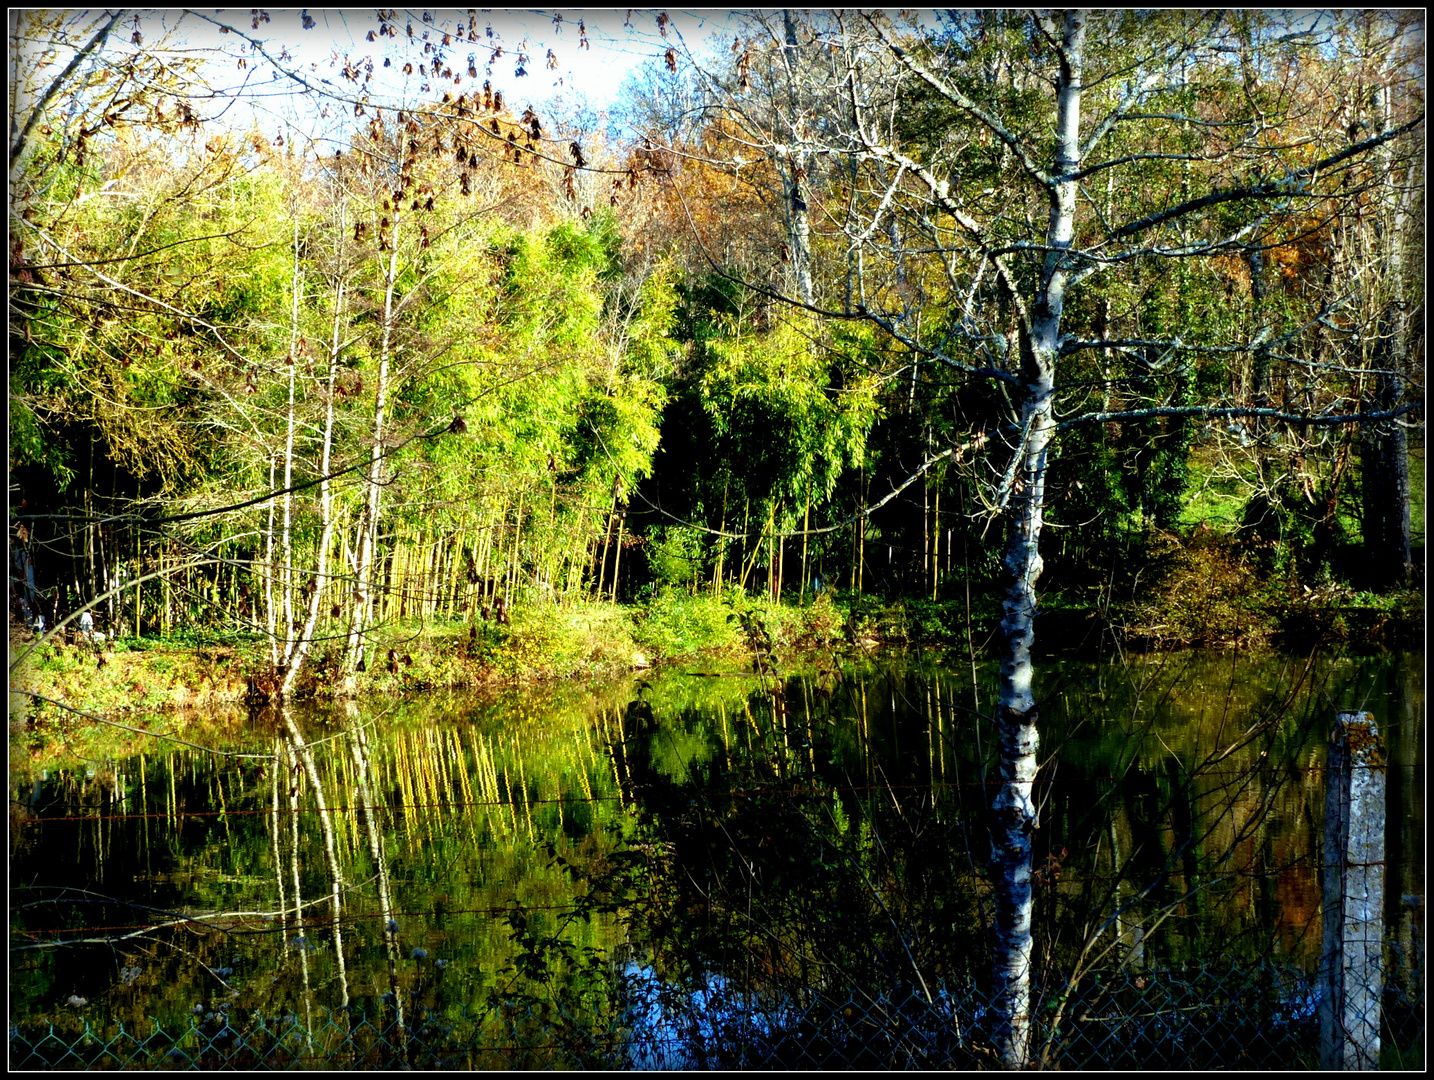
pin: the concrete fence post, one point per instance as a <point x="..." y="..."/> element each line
<point x="1352" y="883"/>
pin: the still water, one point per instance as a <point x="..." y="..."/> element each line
<point x="690" y="833"/>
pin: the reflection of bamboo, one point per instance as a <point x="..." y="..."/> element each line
<point x="523" y="780"/>
<point x="807" y="732"/>
<point x="223" y="808"/>
<point x="144" y="798"/>
<point x="614" y="744"/>
<point x="931" y="730"/>
<point x="583" y="770"/>
<point x="940" y="734"/>
<point x="172" y="803"/>
<point x="444" y="766"/>
<point x="508" y="789"/>
<point x="865" y="734"/>
<point x="488" y="774"/>
<point x="497" y="793"/>
<point x="99" y="843"/>
<point x="425" y="783"/>
<point x="454" y="750"/>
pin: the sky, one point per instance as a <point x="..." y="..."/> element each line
<point x="598" y="71"/>
<point x="618" y="42"/>
<point x="583" y="80"/>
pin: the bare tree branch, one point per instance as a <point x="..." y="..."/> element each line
<point x="1293" y="184"/>
<point x="17" y="144"/>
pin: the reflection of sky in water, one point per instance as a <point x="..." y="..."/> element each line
<point x="660" y="1038"/>
<point x="716" y="1025"/>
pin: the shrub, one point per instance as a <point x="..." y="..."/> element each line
<point x="1202" y="591"/>
<point x="676" y="623"/>
<point x="820" y="623"/>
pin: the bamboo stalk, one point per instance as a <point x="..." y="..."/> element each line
<point x="513" y="565"/>
<point x="806" y="521"/>
<point x="617" y="552"/>
<point x="781" y="542"/>
<point x="486" y="540"/>
<point x="925" y="530"/>
<point x="756" y="554"/>
<point x="606" y="543"/>
<point x="861" y="543"/>
<point x="138" y="588"/>
<point x="722" y="543"/>
<point x="269" y="611"/>
<point x="936" y="544"/>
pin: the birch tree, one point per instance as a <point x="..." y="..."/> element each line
<point x="1206" y="141"/>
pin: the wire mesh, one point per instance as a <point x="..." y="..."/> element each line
<point x="1257" y="1016"/>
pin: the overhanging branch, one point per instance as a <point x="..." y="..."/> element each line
<point x="1275" y="189"/>
<point x="1237" y="412"/>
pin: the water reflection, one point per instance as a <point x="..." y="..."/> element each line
<point x="705" y="837"/>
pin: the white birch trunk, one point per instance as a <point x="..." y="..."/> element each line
<point x="794" y="172"/>
<point x="299" y="651"/>
<point x="1015" y="812"/>
<point x="368" y="534"/>
<point x="270" y="616"/>
<point x="286" y="545"/>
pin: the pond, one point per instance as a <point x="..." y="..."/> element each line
<point x="672" y="870"/>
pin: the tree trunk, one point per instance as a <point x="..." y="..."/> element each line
<point x="363" y="602"/>
<point x="1384" y="450"/>
<point x="1384" y="461"/>
<point x="304" y="639"/>
<point x="286" y="546"/>
<point x="794" y="169"/>
<point x="1014" y="811"/>
<point x="270" y="613"/>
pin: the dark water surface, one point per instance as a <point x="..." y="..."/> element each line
<point x="691" y="830"/>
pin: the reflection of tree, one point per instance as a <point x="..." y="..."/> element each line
<point x="813" y="849"/>
<point x="823" y="851"/>
<point x="788" y="889"/>
<point x="357" y="735"/>
<point x="220" y="864"/>
<point x="301" y="757"/>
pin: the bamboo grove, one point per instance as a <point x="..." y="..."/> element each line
<point x="450" y="355"/>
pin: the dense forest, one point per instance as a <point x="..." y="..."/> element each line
<point x="846" y="303"/>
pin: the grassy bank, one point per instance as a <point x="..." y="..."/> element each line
<point x="1194" y="592"/>
<point x="542" y="642"/>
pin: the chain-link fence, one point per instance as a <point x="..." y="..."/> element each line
<point x="1248" y="1017"/>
